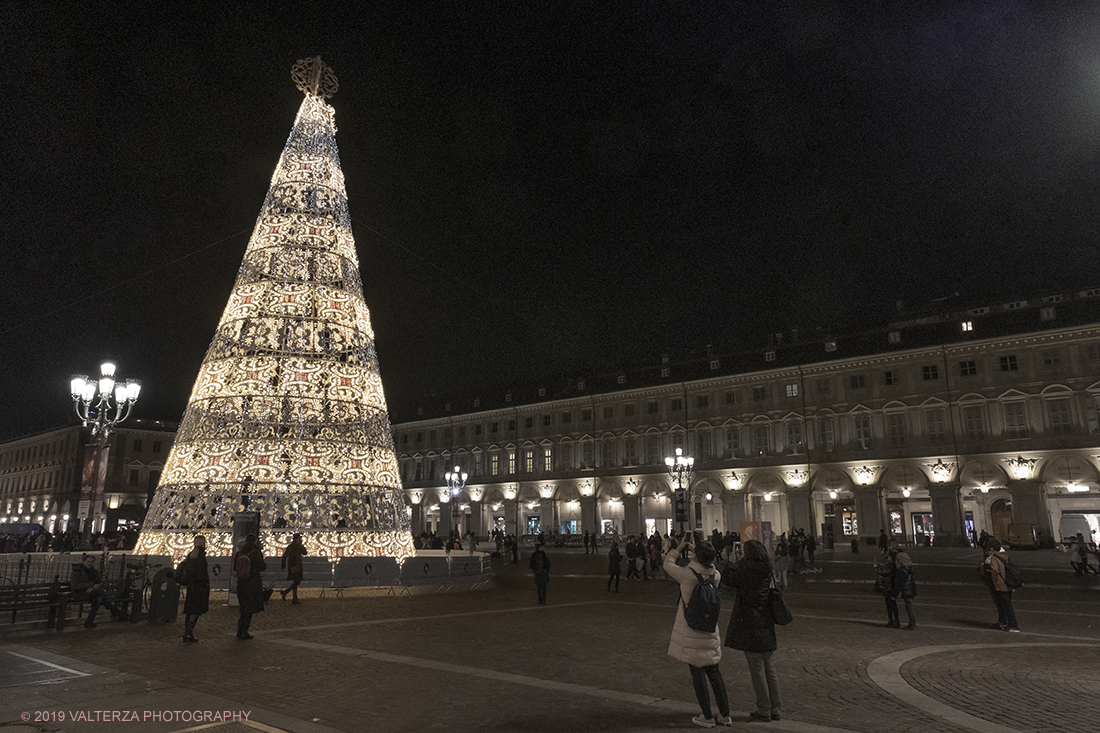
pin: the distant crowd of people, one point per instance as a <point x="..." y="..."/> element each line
<point x="71" y="541"/>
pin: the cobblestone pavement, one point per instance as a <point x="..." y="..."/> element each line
<point x="493" y="660"/>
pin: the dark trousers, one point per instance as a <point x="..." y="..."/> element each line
<point x="96" y="597"/>
<point x="615" y="577"/>
<point x="243" y="623"/>
<point x="541" y="589"/>
<point x="1006" y="615"/>
<point x="292" y="589"/>
<point x="699" y="677"/>
<point x="189" y="624"/>
<point x="909" y="610"/>
<point x="892" y="610"/>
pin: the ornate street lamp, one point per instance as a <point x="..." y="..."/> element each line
<point x="113" y="397"/>
<point x="679" y="469"/>
<point x="101" y="405"/>
<point x="456" y="482"/>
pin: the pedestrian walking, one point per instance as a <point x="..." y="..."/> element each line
<point x="248" y="565"/>
<point x="614" y="563"/>
<point x="751" y="629"/>
<point x="540" y="566"/>
<point x="782" y="564"/>
<point x="883" y="542"/>
<point x="700" y="650"/>
<point x="1002" y="594"/>
<point x="887" y="586"/>
<point x="292" y="563"/>
<point x="194" y="575"/>
<point x="811" y="547"/>
<point x="906" y="583"/>
<point x="586" y="542"/>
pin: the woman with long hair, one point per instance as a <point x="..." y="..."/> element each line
<point x="751" y="629"/>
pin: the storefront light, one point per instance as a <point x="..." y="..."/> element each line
<point x="768" y="496"/>
<point x="905" y="492"/>
<point x="1076" y="488"/>
<point x="832" y="494"/>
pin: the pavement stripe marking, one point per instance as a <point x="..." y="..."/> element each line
<point x="248" y="723"/>
<point x="51" y="664"/>
<point x="379" y="621"/>
<point x="886" y="673"/>
<point x="490" y="674"/>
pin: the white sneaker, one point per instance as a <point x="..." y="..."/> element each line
<point x="702" y="722"/>
<point x="726" y="721"/>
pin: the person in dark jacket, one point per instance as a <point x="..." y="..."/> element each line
<point x="906" y="584"/>
<point x="888" y="588"/>
<point x="194" y="574"/>
<point x="250" y="588"/>
<point x="540" y="565"/>
<point x="751" y="629"/>
<point x="292" y="562"/>
<point x="614" y="566"/>
<point x="87" y="586"/>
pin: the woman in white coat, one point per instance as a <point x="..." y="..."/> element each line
<point x="700" y="650"/>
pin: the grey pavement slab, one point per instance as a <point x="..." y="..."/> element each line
<point x="492" y="660"/>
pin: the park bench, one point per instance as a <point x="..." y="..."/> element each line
<point x="26" y="597"/>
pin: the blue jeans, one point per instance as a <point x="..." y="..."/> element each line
<point x="765" y="682"/>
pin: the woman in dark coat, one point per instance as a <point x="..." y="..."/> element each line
<point x="751" y="629"/>
<point x="614" y="566"/>
<point x="195" y="576"/>
<point x="250" y="589"/>
<point x="292" y="561"/>
<point x="888" y="588"/>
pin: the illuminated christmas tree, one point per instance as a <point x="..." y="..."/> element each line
<point x="287" y="416"/>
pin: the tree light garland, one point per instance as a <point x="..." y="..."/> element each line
<point x="287" y="416"/>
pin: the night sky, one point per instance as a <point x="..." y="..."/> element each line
<point x="539" y="188"/>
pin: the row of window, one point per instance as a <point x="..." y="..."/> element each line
<point x="762" y="438"/>
<point x="31" y="453"/>
<point x="822" y="388"/>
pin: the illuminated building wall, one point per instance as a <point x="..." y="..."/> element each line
<point x="287" y="416"/>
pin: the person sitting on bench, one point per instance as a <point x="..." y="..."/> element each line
<point x="87" y="585"/>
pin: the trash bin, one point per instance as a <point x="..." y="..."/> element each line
<point x="164" y="597"/>
<point x="855" y="546"/>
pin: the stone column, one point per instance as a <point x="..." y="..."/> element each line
<point x="511" y="517"/>
<point x="734" y="510"/>
<point x="589" y="520"/>
<point x="1029" y="506"/>
<point x="477" y="520"/>
<point x="800" y="509"/>
<point x="547" y="516"/>
<point x="632" y="515"/>
<point x="870" y="503"/>
<point x="947" y="514"/>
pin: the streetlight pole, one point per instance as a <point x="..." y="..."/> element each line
<point x="456" y="482"/>
<point x="679" y="469"/>
<point x="101" y="405"/>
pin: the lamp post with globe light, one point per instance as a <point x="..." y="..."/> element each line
<point x="679" y="469"/>
<point x="101" y="405"/>
<point x="456" y="482"/>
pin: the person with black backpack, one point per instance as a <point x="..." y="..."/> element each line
<point x="695" y="640"/>
<point x="1003" y="577"/>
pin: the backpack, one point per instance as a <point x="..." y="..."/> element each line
<point x="701" y="611"/>
<point x="1013" y="577"/>
<point x="243" y="567"/>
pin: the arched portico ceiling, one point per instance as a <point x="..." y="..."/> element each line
<point x="493" y="495"/>
<point x="529" y="492"/>
<point x="982" y="473"/>
<point x="703" y="484"/>
<point x="1068" y="469"/>
<point x="830" y="479"/>
<point x="765" y="482"/>
<point x="655" y="487"/>
<point x="607" y="489"/>
<point x="904" y="476"/>
<point x="568" y="491"/>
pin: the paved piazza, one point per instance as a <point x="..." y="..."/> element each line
<point x="493" y="660"/>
